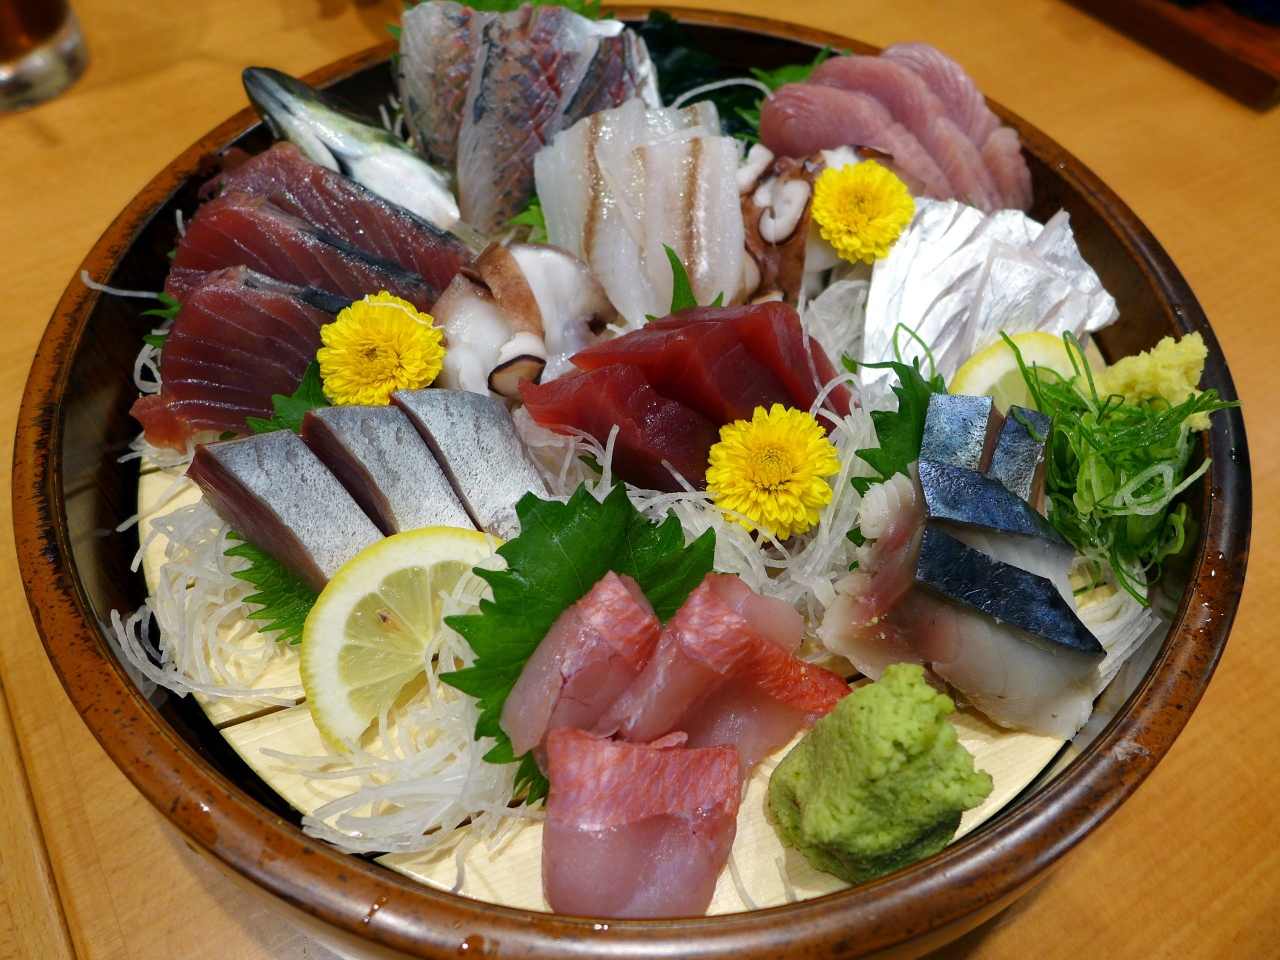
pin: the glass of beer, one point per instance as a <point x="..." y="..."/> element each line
<point x="42" y="51"/>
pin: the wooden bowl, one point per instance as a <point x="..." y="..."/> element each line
<point x="70" y="491"/>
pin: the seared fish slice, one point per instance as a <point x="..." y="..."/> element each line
<point x="378" y="456"/>
<point x="475" y="441"/>
<point x="273" y="491"/>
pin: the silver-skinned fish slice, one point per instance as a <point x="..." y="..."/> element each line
<point x="475" y="442"/>
<point x="385" y="465"/>
<point x="1018" y="459"/>
<point x="273" y="491"/>
<point x="960" y="430"/>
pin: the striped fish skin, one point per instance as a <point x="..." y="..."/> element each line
<point x="237" y="228"/>
<point x="960" y="431"/>
<point x="237" y="339"/>
<point x="1018" y="459"/>
<point x="353" y="214"/>
<point x="636" y="830"/>
<point x="273" y="491"/>
<point x="967" y="497"/>
<point x="475" y="442"/>
<point x="377" y="454"/>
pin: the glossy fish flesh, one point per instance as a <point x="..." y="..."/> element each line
<point x="273" y="491"/>
<point x="437" y="40"/>
<point x="237" y="228"/>
<point x="964" y="103"/>
<point x="1018" y="459"/>
<point x="591" y="655"/>
<point x="749" y="719"/>
<point x="961" y="495"/>
<point x="537" y="71"/>
<point x="651" y="428"/>
<point x="475" y="442"/>
<point x="379" y="457"/>
<point x="237" y="339"/>
<point x="960" y="431"/>
<point x="802" y="118"/>
<point x="636" y="830"/>
<point x="343" y="209"/>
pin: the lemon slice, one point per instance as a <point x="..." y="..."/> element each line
<point x="994" y="371"/>
<point x="366" y="637"/>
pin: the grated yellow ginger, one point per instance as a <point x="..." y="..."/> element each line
<point x="1170" y="371"/>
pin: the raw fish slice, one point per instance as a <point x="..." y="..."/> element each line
<point x="636" y="830"/>
<point x="342" y="208"/>
<point x="802" y="118"/>
<point x="964" y="103"/>
<point x="1002" y="154"/>
<point x="591" y="655"/>
<point x="651" y="428"/>
<point x="386" y="467"/>
<point x="238" y="338"/>
<point x="960" y="431"/>
<point x="437" y="41"/>
<point x="236" y="228"/>
<point x="958" y="495"/>
<point x="744" y="716"/>
<point x="1018" y="459"/>
<point x="911" y="103"/>
<point x="773" y="619"/>
<point x="273" y="491"/>
<point x="530" y="65"/>
<point x="704" y="366"/>
<point x="1056" y="246"/>
<point x="475" y="442"/>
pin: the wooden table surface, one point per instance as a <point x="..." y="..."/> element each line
<point x="1188" y="868"/>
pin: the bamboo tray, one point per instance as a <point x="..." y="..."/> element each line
<point x="70" y="491"/>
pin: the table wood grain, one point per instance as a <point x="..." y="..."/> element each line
<point x="1188" y="868"/>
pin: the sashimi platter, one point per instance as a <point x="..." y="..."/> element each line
<point x="599" y="486"/>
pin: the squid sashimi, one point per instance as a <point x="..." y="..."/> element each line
<point x="343" y="209"/>
<point x="636" y="830"/>
<point x="651" y="428"/>
<point x="237" y="228"/>
<point x="912" y="104"/>
<point x="802" y="118"/>
<point x="707" y="643"/>
<point x="239" y="338"/>
<point x="705" y="366"/>
<point x="536" y="71"/>
<point x="592" y="653"/>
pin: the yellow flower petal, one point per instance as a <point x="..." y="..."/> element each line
<point x="375" y="347"/>
<point x="861" y="210"/>
<point x="772" y="469"/>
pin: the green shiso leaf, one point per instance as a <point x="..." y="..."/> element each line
<point x="900" y="431"/>
<point x="289" y="411"/>
<point x="562" y="552"/>
<point x="284" y="600"/>
<point x="792" y="73"/>
<point x="532" y="217"/>
<point x="681" y="291"/>
<point x="1113" y="468"/>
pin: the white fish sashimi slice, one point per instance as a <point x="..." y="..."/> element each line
<point x="1057" y="245"/>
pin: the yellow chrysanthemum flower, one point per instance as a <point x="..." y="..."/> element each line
<point x="375" y="347"/>
<point x="771" y="469"/>
<point x="861" y="210"/>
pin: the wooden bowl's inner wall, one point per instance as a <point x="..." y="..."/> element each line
<point x="100" y="491"/>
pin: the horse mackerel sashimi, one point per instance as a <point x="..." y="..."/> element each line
<point x="238" y="338"/>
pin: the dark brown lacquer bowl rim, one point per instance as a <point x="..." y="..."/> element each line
<point x="900" y="915"/>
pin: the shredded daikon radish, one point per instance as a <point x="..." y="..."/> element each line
<point x="207" y="643"/>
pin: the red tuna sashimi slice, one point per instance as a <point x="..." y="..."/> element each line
<point x="964" y="103"/>
<point x="342" y="208"/>
<point x="636" y="830"/>
<point x="651" y="428"/>
<point x="911" y="102"/>
<point x="802" y="118"/>
<point x="705" y="366"/>
<point x="590" y="656"/>
<point x="238" y="338"/>
<point x="705" y="644"/>
<point x="772" y="334"/>
<point x="236" y="228"/>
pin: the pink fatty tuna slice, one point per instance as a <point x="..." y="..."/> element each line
<point x="636" y="830"/>
<point x="591" y="655"/>
<point x="718" y="635"/>
<point x="237" y="228"/>
<point x="343" y="209"/>
<point x="911" y="103"/>
<point x="802" y="118"/>
<point x="238" y="338"/>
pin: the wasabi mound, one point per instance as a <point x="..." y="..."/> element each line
<point x="879" y="783"/>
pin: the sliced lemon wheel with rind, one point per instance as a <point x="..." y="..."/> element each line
<point x="366" y="638"/>
<point x="994" y="372"/>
